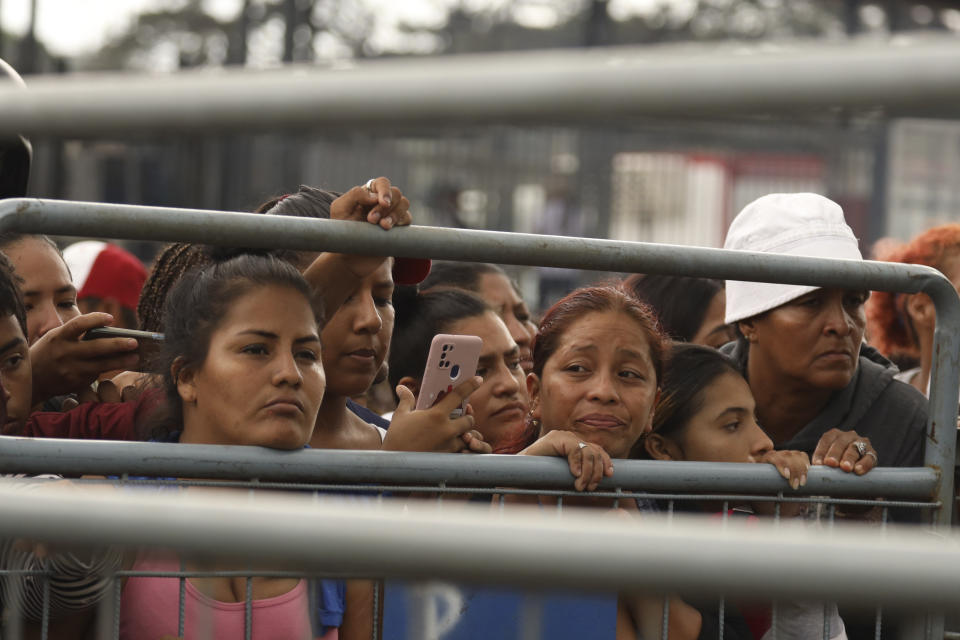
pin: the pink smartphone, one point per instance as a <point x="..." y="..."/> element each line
<point x="452" y="359"/>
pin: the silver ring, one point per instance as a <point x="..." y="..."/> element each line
<point x="876" y="460"/>
<point x="369" y="185"/>
<point x="582" y="444"/>
<point x="861" y="447"/>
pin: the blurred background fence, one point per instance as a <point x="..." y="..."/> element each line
<point x="656" y="179"/>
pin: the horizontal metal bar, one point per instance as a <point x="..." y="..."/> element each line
<point x="552" y="86"/>
<point x="132" y="222"/>
<point x="577" y="550"/>
<point x="83" y="457"/>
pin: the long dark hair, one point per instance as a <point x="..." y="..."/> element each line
<point x="680" y="303"/>
<point x="419" y="317"/>
<point x="198" y="303"/>
<point x="690" y="370"/>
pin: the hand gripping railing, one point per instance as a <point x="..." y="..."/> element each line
<point x="254" y="230"/>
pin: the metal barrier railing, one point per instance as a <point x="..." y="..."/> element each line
<point x="555" y="86"/>
<point x="304" y="536"/>
<point x="242" y="229"/>
<point x="677" y="482"/>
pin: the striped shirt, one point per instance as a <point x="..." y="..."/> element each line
<point x="75" y="581"/>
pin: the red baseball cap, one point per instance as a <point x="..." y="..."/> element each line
<point x="102" y="270"/>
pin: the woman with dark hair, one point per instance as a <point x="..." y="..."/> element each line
<point x="501" y="294"/>
<point x="689" y="309"/>
<point x="706" y="414"/>
<point x="900" y="325"/>
<point x="597" y="362"/>
<point x="498" y="406"/>
<point x="241" y="365"/>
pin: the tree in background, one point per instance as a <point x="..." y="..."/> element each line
<point x="267" y="32"/>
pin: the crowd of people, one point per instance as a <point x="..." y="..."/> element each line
<point x="278" y="349"/>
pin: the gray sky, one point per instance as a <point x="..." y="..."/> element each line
<point x="76" y="27"/>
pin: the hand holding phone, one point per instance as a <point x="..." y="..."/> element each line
<point x="452" y="359"/>
<point x="148" y="344"/>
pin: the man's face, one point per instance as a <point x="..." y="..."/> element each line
<point x="15" y="375"/>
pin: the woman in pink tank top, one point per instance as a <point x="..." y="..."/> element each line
<point x="242" y="366"/>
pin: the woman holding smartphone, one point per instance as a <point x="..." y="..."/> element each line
<point x="499" y="405"/>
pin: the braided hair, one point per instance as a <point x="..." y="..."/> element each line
<point x="175" y="260"/>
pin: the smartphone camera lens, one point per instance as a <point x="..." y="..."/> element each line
<point x="454" y="372"/>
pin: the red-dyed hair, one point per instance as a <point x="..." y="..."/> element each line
<point x="571" y="308"/>
<point x="890" y="329"/>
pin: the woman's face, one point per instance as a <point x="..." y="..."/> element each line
<point x="725" y="429"/>
<point x="600" y="383"/>
<point x="500" y="405"/>
<point x="357" y="338"/>
<point x="497" y="291"/>
<point x="813" y="341"/>
<point x="262" y="380"/>
<point x="48" y="292"/>
<point x="713" y="331"/>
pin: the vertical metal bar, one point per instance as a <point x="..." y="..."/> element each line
<point x="531" y="616"/>
<point x="665" y="621"/>
<point x="616" y="501"/>
<point x="941" y="442"/>
<point x="560" y="504"/>
<point x="182" y="601"/>
<point x="14" y="627"/>
<point x="377" y="613"/>
<point x="117" y="585"/>
<point x="826" y="622"/>
<point x="45" y="615"/>
<point x="248" y="611"/>
<point x="878" y="623"/>
<point x="721" y="612"/>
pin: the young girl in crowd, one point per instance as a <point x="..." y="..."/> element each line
<point x="500" y="293"/>
<point x="901" y="324"/>
<point x="695" y="315"/>
<point x="62" y="362"/>
<point x="706" y="413"/>
<point x="499" y="405"/>
<point x="357" y="337"/>
<point x="242" y="365"/>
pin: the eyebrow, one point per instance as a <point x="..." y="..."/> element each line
<point x="630" y="352"/>
<point x="10" y="344"/>
<point x="736" y="410"/>
<point x="272" y="336"/>
<point x="719" y="328"/>
<point x="69" y="288"/>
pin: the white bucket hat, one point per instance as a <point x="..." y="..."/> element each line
<point x="797" y="224"/>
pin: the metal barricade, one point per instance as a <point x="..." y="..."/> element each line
<point x="929" y="488"/>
